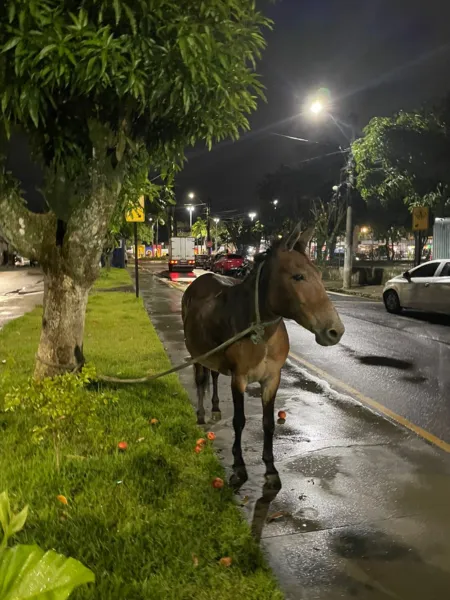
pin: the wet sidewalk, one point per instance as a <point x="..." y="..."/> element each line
<point x="364" y="511"/>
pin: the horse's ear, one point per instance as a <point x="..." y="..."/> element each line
<point x="289" y="242"/>
<point x="307" y="236"/>
<point x="301" y="241"/>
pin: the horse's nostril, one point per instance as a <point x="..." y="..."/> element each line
<point x="333" y="334"/>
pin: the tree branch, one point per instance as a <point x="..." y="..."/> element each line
<point x="23" y="229"/>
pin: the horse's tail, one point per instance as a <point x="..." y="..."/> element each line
<point x="202" y="377"/>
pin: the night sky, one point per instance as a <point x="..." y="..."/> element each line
<point x="375" y="57"/>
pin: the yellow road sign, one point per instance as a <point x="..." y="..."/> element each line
<point x="137" y="214"/>
<point x="420" y="218"/>
<point x="141" y="251"/>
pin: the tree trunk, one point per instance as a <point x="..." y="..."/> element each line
<point x="331" y="246"/>
<point x="61" y="344"/>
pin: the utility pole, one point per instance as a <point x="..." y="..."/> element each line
<point x="348" y="257"/>
<point x="208" y="226"/>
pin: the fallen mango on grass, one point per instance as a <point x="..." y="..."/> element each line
<point x="198" y="449"/>
<point x="201" y="442"/>
<point x="154" y="421"/>
<point x="281" y="414"/>
<point x="62" y="499"/>
<point x="217" y="483"/>
<point x="122" y="446"/>
<point x="211" y="436"/>
<point x="225" y="561"/>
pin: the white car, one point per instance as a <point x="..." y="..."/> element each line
<point x="426" y="287"/>
<point x="20" y="261"/>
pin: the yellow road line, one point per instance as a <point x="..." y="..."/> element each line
<point x="372" y="403"/>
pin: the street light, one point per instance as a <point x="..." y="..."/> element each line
<point x="216" y="221"/>
<point x="191" y="195"/>
<point x="191" y="209"/>
<point x="316" y="107"/>
<point x="275" y="203"/>
<point x="252" y="216"/>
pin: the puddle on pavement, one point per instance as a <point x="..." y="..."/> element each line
<point x="293" y="379"/>
<point x="268" y="520"/>
<point x="386" y="361"/>
<point x="415" y="378"/>
<point x="371" y="545"/>
<point x="317" y="466"/>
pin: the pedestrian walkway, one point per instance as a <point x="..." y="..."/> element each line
<point x="373" y="292"/>
<point x="364" y="509"/>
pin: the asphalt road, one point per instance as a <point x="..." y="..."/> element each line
<point x="20" y="291"/>
<point x="401" y="362"/>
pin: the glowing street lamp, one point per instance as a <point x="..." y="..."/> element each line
<point x="275" y="203"/>
<point x="252" y="216"/>
<point x="316" y="107"/>
<point x="191" y="195"/>
<point x="216" y="221"/>
<point x="191" y="209"/>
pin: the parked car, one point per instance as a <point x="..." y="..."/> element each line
<point x="20" y="261"/>
<point x="213" y="260"/>
<point x="229" y="264"/>
<point x="201" y="261"/>
<point x="426" y="287"/>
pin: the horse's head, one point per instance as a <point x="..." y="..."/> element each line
<point x="296" y="290"/>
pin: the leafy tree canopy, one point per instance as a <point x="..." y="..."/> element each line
<point x="405" y="155"/>
<point x="140" y="79"/>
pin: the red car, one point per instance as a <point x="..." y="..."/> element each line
<point x="228" y="264"/>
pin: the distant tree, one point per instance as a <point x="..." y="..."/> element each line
<point x="389" y="222"/>
<point x="199" y="230"/>
<point x="105" y="91"/>
<point x="243" y="233"/>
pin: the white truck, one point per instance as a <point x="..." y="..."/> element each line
<point x="181" y="254"/>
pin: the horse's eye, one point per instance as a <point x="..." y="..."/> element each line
<point x="298" y="277"/>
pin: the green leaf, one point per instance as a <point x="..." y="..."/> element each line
<point x="11" y="11"/>
<point x="18" y="521"/>
<point x="5" y="512"/>
<point x="45" y="51"/>
<point x="117" y="10"/>
<point x="27" y="572"/>
<point x="130" y="17"/>
<point x="11" y="44"/>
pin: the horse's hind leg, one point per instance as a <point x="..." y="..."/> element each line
<point x="216" y="414"/>
<point x="201" y="381"/>
<point x="239" y="476"/>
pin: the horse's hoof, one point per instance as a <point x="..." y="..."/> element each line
<point x="238" y="478"/>
<point x="273" y="481"/>
<point x="216" y="415"/>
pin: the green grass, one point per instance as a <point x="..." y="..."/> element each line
<point x="112" y="278"/>
<point x="136" y="519"/>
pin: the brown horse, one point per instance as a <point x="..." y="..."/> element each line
<point x="216" y="308"/>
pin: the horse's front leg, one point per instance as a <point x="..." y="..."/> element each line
<point x="216" y="415"/>
<point x="238" y="386"/>
<point x="269" y="388"/>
